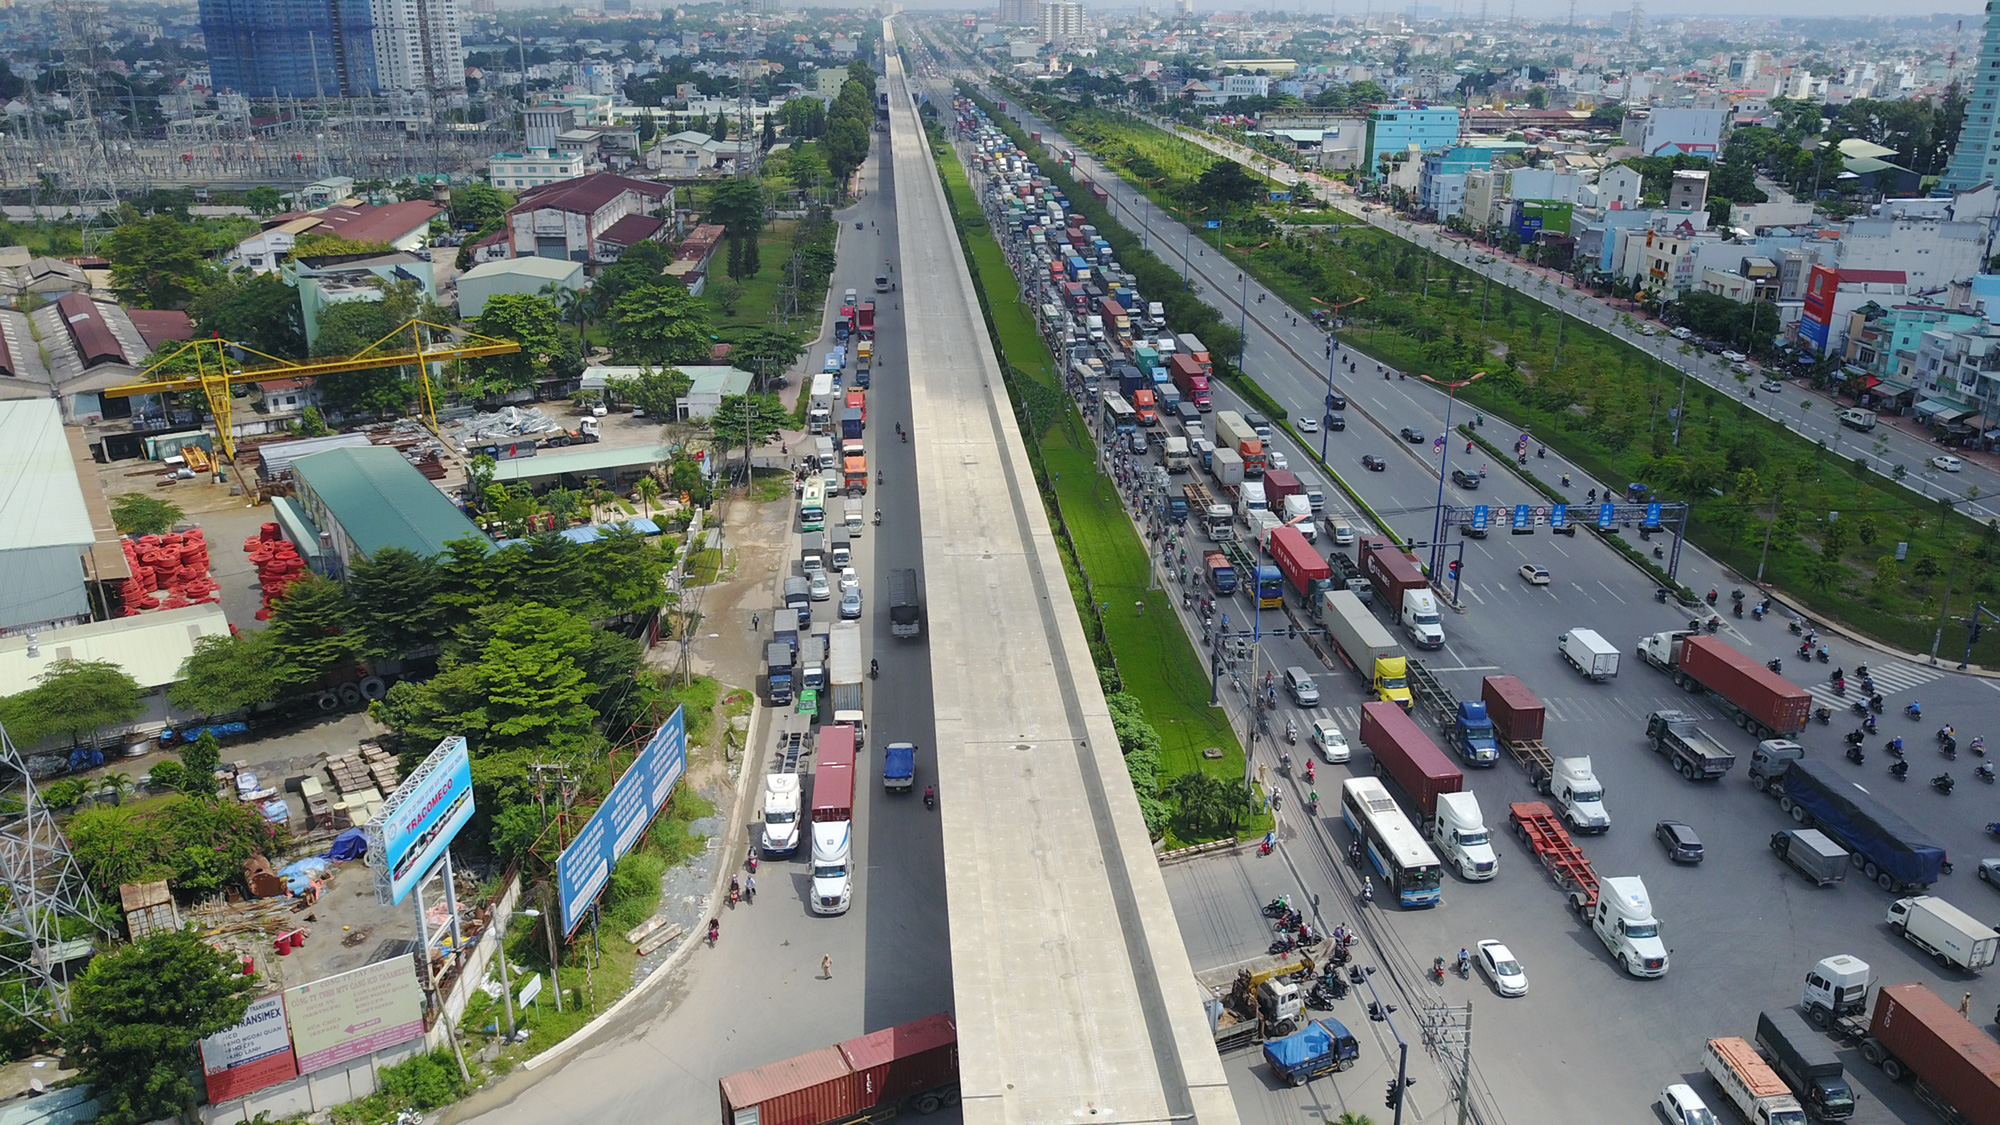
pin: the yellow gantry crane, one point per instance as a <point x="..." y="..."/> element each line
<point x="214" y="365"/>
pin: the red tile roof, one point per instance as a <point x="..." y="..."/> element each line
<point x="87" y="330"/>
<point x="1880" y="277"/>
<point x="157" y="326"/>
<point x="378" y="224"/>
<point x="631" y="230"/>
<point x="586" y="194"/>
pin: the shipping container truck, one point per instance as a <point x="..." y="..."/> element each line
<point x="780" y="833"/>
<point x="1808" y="1065"/>
<point x="1191" y="346"/>
<point x="1518" y="720"/>
<point x="844" y="679"/>
<point x="1308" y="573"/>
<point x="1405" y="754"/>
<point x="1227" y="465"/>
<point x="1955" y="1065"/>
<point x="906" y="609"/>
<point x="1955" y="938"/>
<point x="1752" y="1087"/>
<point x="1191" y="379"/>
<point x="1320" y="1048"/>
<point x="1280" y="484"/>
<point x="914" y="1066"/>
<point x="1756" y="698"/>
<point x="1460" y="834"/>
<point x="1694" y="754"/>
<point x="1360" y="640"/>
<point x="1589" y="653"/>
<point x="833" y="822"/>
<point x="1144" y="404"/>
<point x="1401" y="587"/>
<point x="1471" y="733"/>
<point x="1623" y="920"/>
<point x="1348" y="576"/>
<point x="1893" y="853"/>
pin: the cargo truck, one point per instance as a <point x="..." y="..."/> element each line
<point x="1401" y="587"/>
<point x="1279" y="484"/>
<point x="1406" y="755"/>
<point x="1693" y="753"/>
<point x="1518" y="720"/>
<point x="1811" y="854"/>
<point x="1146" y="407"/>
<point x="1227" y="465"/>
<point x="864" y="320"/>
<point x="899" y="767"/>
<point x="1808" y="1065"/>
<point x="1756" y="698"/>
<point x="1346" y="575"/>
<point x="819" y="412"/>
<point x="1174" y="454"/>
<point x="844" y="679"/>
<point x="1956" y="1067"/>
<point x="780" y="835"/>
<point x="1221" y="575"/>
<point x="906" y="611"/>
<point x="851" y="425"/>
<point x="1191" y="346"/>
<point x="1366" y="646"/>
<point x="1308" y="573"/>
<point x="1216" y="518"/>
<point x="778" y="657"/>
<point x="1320" y="1048"/>
<point x="1893" y="853"/>
<point x="1955" y="938"/>
<point x="1753" y="1087"/>
<point x="1460" y="834"/>
<point x="914" y="1067"/>
<point x="1589" y="653"/>
<point x="1192" y="380"/>
<point x="833" y="822"/>
<point x="1233" y="433"/>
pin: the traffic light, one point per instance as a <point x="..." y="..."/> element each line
<point x="1394" y="1096"/>
<point x="1974" y="638"/>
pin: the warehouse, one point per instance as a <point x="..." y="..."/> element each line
<point x="351" y="503"/>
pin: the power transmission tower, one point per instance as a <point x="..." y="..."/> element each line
<point x="749" y="146"/>
<point x="1572" y="13"/>
<point x="89" y="181"/>
<point x="1638" y="22"/>
<point x="47" y="899"/>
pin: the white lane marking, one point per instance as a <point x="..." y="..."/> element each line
<point x="1611" y="591"/>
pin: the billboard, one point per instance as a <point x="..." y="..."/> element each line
<point x="1822" y="285"/>
<point x="1814" y="333"/>
<point x="355" y="1014"/>
<point x="256" y="1053"/>
<point x="418" y="822"/>
<point x="618" y="823"/>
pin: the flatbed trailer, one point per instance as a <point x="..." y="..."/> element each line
<point x="1542" y="831"/>
<point x="1534" y="756"/>
<point x="1431" y="694"/>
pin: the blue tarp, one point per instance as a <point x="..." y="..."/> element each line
<point x="591" y="533"/>
<point x="1317" y="1040"/>
<point x="899" y="760"/>
<point x="351" y="844"/>
<point x="298" y="875"/>
<point x="219" y="730"/>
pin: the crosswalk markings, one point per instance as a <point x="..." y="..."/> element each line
<point x="1890" y="678"/>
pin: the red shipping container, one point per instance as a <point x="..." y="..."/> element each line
<point x="1775" y="701"/>
<point x="848" y="1079"/>
<point x="1927" y="1036"/>
<point x="1406" y="754"/>
<point x="1517" y="715"/>
<point x="1302" y="566"/>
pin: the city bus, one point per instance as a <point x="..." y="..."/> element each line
<point x="1395" y="849"/>
<point x="812" y="508"/>
<point x="1119" y="417"/>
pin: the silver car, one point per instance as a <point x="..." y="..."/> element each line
<point x="850" y="604"/>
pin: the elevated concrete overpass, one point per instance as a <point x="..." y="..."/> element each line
<point x="1073" y="992"/>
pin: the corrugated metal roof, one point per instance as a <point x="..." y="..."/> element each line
<point x="588" y="459"/>
<point x="150" y="647"/>
<point x="41" y="501"/>
<point x="42" y="584"/>
<point x="380" y="500"/>
<point x="279" y="455"/>
<point x="85" y="322"/>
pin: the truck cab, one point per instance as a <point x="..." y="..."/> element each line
<point x="1460" y="833"/>
<point x="1420" y="619"/>
<point x="1624" y="922"/>
<point x="1770" y="759"/>
<point x="1836" y="988"/>
<point x="832" y="866"/>
<point x="781" y="814"/>
<point x="1581" y="796"/>
<point x="1472" y="734"/>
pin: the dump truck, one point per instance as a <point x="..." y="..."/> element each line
<point x="1321" y="1047"/>
<point x="1956" y="1067"/>
<point x="1756" y="698"/>
<point x="1404" y="754"/>
<point x="1250" y="1001"/>
<point x="1366" y="647"/>
<point x="1893" y="853"/>
<point x="913" y="1066"/>
<point x="1677" y="736"/>
<point x="1956" y="939"/>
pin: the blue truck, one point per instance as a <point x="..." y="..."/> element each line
<point x="1472" y="734"/>
<point x="899" y="767"/>
<point x="1319" y="1048"/>
<point x="778" y="657"/>
<point x="1889" y="849"/>
<point x="850" y="425"/>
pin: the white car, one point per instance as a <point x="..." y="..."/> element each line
<point x="1276" y="460"/>
<point x="1497" y="961"/>
<point x="1308" y="425"/>
<point x="1947" y="462"/>
<point x="1734" y="357"/>
<point x="1536" y="575"/>
<point x="1682" y="333"/>
<point x="1772" y="385"/>
<point x="849" y="580"/>
<point x="821" y="590"/>
<point x="1331" y="743"/>
<point x="1648" y="330"/>
<point x="1684" y="1107"/>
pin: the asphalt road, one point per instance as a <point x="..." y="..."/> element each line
<point x="1588" y="1043"/>
<point x="758" y="997"/>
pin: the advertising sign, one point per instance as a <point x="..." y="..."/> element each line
<point x="256" y="1053"/>
<point x="355" y="1014"/>
<point x="1822" y="285"/>
<point x="618" y="823"/>
<point x="1814" y="333"/>
<point x="418" y="821"/>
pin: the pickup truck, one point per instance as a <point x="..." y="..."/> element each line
<point x="1697" y="756"/>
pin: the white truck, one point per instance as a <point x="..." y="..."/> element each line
<point x="1863" y="420"/>
<point x="1421" y="619"/>
<point x="844" y="679"/>
<point x="1156" y="314"/>
<point x="1250" y="498"/>
<point x="1174" y="454"/>
<point x="1589" y="653"/>
<point x="1298" y="513"/>
<point x="1749" y="1081"/>
<point x="1955" y="938"/>
<point x="853" y="516"/>
<point x="1095" y="325"/>
<point x="780" y="836"/>
<point x="1460" y="833"/>
<point x="1623" y="920"/>
<point x="819" y="413"/>
<point x="1579" y="793"/>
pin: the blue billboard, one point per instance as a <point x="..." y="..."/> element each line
<point x="635" y="799"/>
<point x="1813" y="332"/>
<point x="420" y="819"/>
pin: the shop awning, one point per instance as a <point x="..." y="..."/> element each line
<point x="1938" y="411"/>
<point x="1870" y="382"/>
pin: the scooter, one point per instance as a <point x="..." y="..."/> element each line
<point x="1795" y="627"/>
<point x="1278" y="906"/>
<point x="1821" y="654"/>
<point x="1868" y="723"/>
<point x="1855" y="754"/>
<point x="930" y="797"/>
<point x="874" y="669"/>
<point x="1943" y="783"/>
<point x="1856" y="737"/>
<point x="1915" y="711"/>
<point x="1291" y="733"/>
<point x="714" y="932"/>
<point x="1900" y="771"/>
<point x="735" y="891"/>
<point x="1859" y="708"/>
<point x="1984" y="772"/>
<point x="1893" y="747"/>
<point x="1660" y="595"/>
<point x="1775" y="665"/>
<point x="751" y="862"/>
<point x="1823" y="714"/>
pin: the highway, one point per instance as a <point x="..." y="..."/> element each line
<point x="1587" y="1043"/>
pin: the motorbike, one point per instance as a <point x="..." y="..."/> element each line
<point x="1943" y="783"/>
<point x="1840" y="687"/>
<point x="714" y="932"/>
<point x="1711" y="595"/>
<point x="1893" y="747"/>
<point x="1291" y="732"/>
<point x="1868" y="723"/>
<point x="1856" y="737"/>
<point x="1367" y="890"/>
<point x="1660" y="595"/>
<point x="1855" y="754"/>
<point x="874" y="669"/>
<point x="1285" y="764"/>
<point x="1437" y="970"/>
<point x="930" y="796"/>
<point x="1278" y="906"/>
<point x="1805" y="652"/>
<point x="1757" y="611"/>
<point x="1712" y="624"/>
<point x="735" y="891"/>
<point x="1949" y="748"/>
<point x="1875" y="703"/>
<point x="1736" y="610"/>
<point x="1993" y="829"/>
<point x="1823" y="714"/>
<point x="1736" y="595"/>
<point x="1978" y="745"/>
<point x="1821" y="654"/>
<point x="1915" y="711"/>
<point x="1309" y="771"/>
<point x="1945" y="733"/>
<point x="1985" y="772"/>
<point x="1899" y="770"/>
<point x="1312" y="804"/>
<point x="878" y="517"/>
<point x="1859" y="708"/>
<point x="1796" y="627"/>
<point x="1775" y="665"/>
<point x="751" y="862"/>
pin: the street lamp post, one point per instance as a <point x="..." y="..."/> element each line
<point x="1444" y="461"/>
<point x="1243" y="298"/>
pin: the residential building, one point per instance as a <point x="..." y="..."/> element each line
<point x="1062" y="21"/>
<point x="1887" y="343"/>
<point x="576" y="219"/>
<point x="827" y="81"/>
<point x="1546" y="185"/>
<point x="333" y="48"/>
<point x="1405" y="128"/>
<point x="1236" y="86"/>
<point x="1485" y="189"/>
<point x="1957" y="377"/>
<point x="515" y="170"/>
<point x="546" y="123"/>
<point x="1618" y="189"/>
<point x="1976" y="160"/>
<point x="1019" y="13"/>
<point x="404" y="225"/>
<point x="1688" y="191"/>
<point x="1932" y="253"/>
<point x="709" y="387"/>
<point x="334" y="279"/>
<point x="354" y="502"/>
<point x="1665" y="265"/>
<point x="1676" y="132"/>
<point x="417" y="45"/>
<point x="1441" y="179"/>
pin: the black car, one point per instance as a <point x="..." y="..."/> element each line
<point x="1337" y="400"/>
<point x="1463" y="479"/>
<point x="1682" y="845"/>
<point x="1336" y="421"/>
<point x="1714" y="347"/>
<point x="1413" y="435"/>
<point x="1372" y="463"/>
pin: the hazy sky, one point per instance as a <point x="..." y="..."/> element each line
<point x="1819" y="8"/>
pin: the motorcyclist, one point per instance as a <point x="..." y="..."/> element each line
<point x="1464" y="962"/>
<point x="878" y="517"/>
<point x="874" y="667"/>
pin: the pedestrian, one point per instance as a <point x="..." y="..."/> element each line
<point x="826" y="966"/>
<point x="756" y="620"/>
<point x="1965" y="1005"/>
<point x="750" y="888"/>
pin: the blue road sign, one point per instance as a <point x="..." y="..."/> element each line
<point x="1652" y="515"/>
<point x="1523" y="517"/>
<point x="1479" y="516"/>
<point x="1604" y="515"/>
<point x="1213" y="223"/>
<point x="1559" y="515"/>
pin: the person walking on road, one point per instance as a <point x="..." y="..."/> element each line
<point x="826" y="966"/>
<point x="1965" y="1006"/>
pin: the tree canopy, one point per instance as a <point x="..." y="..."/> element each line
<point x="661" y="324"/>
<point x="136" y="1015"/>
<point x="75" y="698"/>
<point x="158" y="262"/>
<point x="530" y="320"/>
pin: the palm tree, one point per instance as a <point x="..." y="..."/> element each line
<point x="647" y="490"/>
<point x="1352" y="1118"/>
<point x="117" y="784"/>
<point x="1204" y="802"/>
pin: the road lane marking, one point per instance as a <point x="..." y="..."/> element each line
<point x="1610" y="591"/>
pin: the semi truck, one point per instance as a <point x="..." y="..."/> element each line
<point x="844" y="679"/>
<point x="1192" y="347"/>
<point x="913" y="1066"/>
<point x="1897" y="856"/>
<point x="1400" y="586"/>
<point x="1460" y="834"/>
<point x="1404" y="754"/>
<point x="1366" y="646"/>
<point x="1321" y="1047"/>
<point x="780" y="833"/>
<point x="1227" y="465"/>
<point x="1192" y="380"/>
<point x="1808" y="1065"/>
<point x="1216" y="518"/>
<point x="1756" y="698"/>
<point x="1348" y="576"/>
<point x="1677" y="736"/>
<point x="1589" y="653"/>
<point x="1519" y="719"/>
<point x="1279" y="484"/>
<point x="1233" y="433"/>
<point x="833" y="822"/>
<point x="906" y="609"/>
<point x="1471" y="733"/>
<point x="1753" y="1087"/>
<point x="1303" y="568"/>
<point x="1956" y="939"/>
<point x="1617" y="910"/>
<point x="1956" y="1067"/>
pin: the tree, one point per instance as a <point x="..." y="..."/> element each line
<point x="137" y="1014"/>
<point x="1206" y="803"/>
<point x="514" y="682"/>
<point x="766" y="352"/>
<point x="158" y="262"/>
<point x="323" y="245"/>
<point x="225" y="674"/>
<point x="647" y="489"/>
<point x="1225" y="182"/>
<point x="749" y="419"/>
<point x="263" y="200"/>
<point x="395" y="597"/>
<point x="136" y="513"/>
<point x="658" y="393"/>
<point x="76" y="698"/>
<point x="660" y="324"/>
<point x="532" y="321"/>
<point x="476" y="205"/>
<point x="738" y="204"/>
<point x="260" y="312"/>
<point x="202" y="758"/>
<point x="312" y="632"/>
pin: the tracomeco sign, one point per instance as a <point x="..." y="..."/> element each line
<point x="420" y="819"/>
